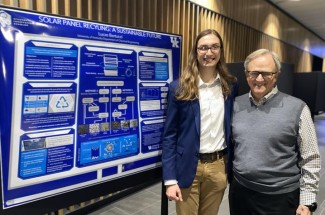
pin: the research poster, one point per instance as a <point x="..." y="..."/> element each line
<point x="82" y="102"/>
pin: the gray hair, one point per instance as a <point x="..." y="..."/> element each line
<point x="261" y="52"/>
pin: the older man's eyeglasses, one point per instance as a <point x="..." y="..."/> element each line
<point x="255" y="74"/>
<point x="204" y="49"/>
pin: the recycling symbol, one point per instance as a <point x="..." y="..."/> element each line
<point x="62" y="103"/>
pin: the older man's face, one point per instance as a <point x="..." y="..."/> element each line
<point x="261" y="76"/>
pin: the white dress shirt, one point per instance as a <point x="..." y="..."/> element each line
<point x="212" y="111"/>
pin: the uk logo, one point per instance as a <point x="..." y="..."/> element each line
<point x="5" y="19"/>
<point x="174" y="42"/>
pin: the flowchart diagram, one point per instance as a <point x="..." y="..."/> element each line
<point x="108" y="105"/>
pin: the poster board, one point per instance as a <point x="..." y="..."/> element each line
<point x="82" y="103"/>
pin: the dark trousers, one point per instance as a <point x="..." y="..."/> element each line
<point x="243" y="201"/>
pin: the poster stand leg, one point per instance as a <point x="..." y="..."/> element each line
<point x="164" y="200"/>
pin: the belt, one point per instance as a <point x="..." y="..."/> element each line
<point x="204" y="157"/>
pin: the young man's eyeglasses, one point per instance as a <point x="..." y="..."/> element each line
<point x="204" y="49"/>
<point x="255" y="74"/>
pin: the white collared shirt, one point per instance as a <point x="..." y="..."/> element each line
<point x="265" y="98"/>
<point x="212" y="110"/>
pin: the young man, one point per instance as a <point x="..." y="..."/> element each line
<point x="197" y="129"/>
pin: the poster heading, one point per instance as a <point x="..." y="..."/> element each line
<point x="95" y="26"/>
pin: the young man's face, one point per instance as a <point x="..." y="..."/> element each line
<point x="208" y="51"/>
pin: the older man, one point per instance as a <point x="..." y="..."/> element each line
<point x="276" y="158"/>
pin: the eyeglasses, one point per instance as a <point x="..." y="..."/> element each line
<point x="204" y="49"/>
<point x="255" y="74"/>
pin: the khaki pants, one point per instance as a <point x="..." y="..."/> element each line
<point x="205" y="194"/>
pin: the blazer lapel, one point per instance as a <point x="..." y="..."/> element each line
<point x="196" y="111"/>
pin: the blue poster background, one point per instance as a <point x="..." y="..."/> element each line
<point x="100" y="109"/>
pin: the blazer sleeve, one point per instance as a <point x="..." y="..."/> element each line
<point x="234" y="94"/>
<point x="170" y="135"/>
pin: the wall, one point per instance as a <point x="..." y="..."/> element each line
<point x="249" y="25"/>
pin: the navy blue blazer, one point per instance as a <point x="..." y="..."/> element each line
<point x="181" y="138"/>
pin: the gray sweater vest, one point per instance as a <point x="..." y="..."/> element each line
<point x="265" y="138"/>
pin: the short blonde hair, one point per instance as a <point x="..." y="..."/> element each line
<point x="261" y="52"/>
